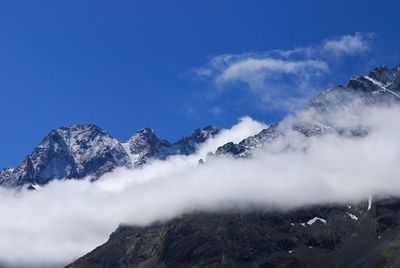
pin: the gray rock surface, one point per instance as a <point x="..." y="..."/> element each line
<point x="77" y="151"/>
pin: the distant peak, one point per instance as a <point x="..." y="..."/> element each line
<point x="211" y="128"/>
<point x="381" y="68"/>
<point x="64" y="131"/>
<point x="146" y="130"/>
<point x="144" y="136"/>
<point x="80" y="127"/>
<point x="145" y="133"/>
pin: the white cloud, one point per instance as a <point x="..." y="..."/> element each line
<point x="349" y="44"/>
<point x="66" y="219"/>
<point x="254" y="71"/>
<point x="282" y="79"/>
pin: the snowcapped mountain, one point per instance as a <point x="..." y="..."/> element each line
<point x="381" y="85"/>
<point x="68" y="152"/>
<point x="243" y="148"/>
<point x="145" y="145"/>
<point x="86" y="150"/>
<point x="363" y="234"/>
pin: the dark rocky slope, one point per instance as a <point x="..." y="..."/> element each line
<point x="342" y="236"/>
<point x="323" y="236"/>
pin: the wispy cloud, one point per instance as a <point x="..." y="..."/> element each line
<point x="349" y="44"/>
<point x="255" y="71"/>
<point x="283" y="79"/>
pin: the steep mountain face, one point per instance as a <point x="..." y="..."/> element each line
<point x="323" y="236"/>
<point x="243" y="148"/>
<point x="381" y="85"/>
<point x="85" y="150"/>
<point x="145" y="145"/>
<point x="356" y="235"/>
<point x="69" y="152"/>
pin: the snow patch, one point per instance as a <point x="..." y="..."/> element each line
<point x="373" y="81"/>
<point x="354" y="217"/>
<point x="313" y="220"/>
<point x="369" y="203"/>
<point x="382" y="86"/>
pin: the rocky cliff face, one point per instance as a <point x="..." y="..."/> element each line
<point x="69" y="152"/>
<point x="86" y="150"/>
<point x="354" y="235"/>
<point x="323" y="236"/>
<point x="381" y="85"/>
<point x="145" y="145"/>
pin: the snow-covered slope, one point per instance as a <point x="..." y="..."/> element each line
<point x="145" y="145"/>
<point x="86" y="150"/>
<point x="69" y="152"/>
<point x="381" y="85"/>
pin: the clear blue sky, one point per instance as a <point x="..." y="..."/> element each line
<point x="128" y="64"/>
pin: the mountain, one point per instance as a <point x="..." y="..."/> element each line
<point x="365" y="234"/>
<point x="69" y="152"/>
<point x="321" y="236"/>
<point x="243" y="148"/>
<point x="381" y="85"/>
<point x="77" y="151"/>
<point x="145" y="145"/>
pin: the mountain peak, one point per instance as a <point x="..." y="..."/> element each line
<point x="145" y="145"/>
<point x="380" y="79"/>
<point x="73" y="151"/>
<point x="146" y="130"/>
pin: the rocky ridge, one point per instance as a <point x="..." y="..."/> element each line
<point x="78" y="151"/>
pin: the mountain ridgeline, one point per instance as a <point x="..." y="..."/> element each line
<point x="380" y="86"/>
<point x="86" y="150"/>
<point x="78" y="151"/>
<point x="365" y="234"/>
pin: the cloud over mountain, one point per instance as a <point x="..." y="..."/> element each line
<point x="292" y="171"/>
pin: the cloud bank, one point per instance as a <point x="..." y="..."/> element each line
<point x="66" y="219"/>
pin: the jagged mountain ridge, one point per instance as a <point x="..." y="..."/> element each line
<point x="145" y="145"/>
<point x="381" y="85"/>
<point x="78" y="151"/>
<point x="69" y="152"/>
<point x="356" y="235"/>
<point x="86" y="150"/>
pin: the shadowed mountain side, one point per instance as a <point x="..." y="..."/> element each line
<point x="323" y="236"/>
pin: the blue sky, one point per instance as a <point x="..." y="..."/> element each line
<point x="127" y="64"/>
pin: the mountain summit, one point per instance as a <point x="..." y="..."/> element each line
<point x="69" y="152"/>
<point x="77" y="151"/>
<point x="361" y="234"/>
<point x="145" y="145"/>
